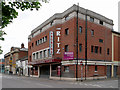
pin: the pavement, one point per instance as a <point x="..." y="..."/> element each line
<point x="14" y="81"/>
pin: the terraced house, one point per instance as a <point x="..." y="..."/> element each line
<point x="73" y="44"/>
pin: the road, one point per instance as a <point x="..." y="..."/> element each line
<point x="12" y="81"/>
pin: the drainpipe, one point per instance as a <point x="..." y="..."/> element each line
<point x="85" y="43"/>
<point x="77" y="45"/>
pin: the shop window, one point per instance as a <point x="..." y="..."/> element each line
<point x="66" y="68"/>
<point x="66" y="48"/>
<point x="80" y="29"/>
<point x="66" y="31"/>
<point x="96" y="49"/>
<point x="80" y="47"/>
<point x="36" y="68"/>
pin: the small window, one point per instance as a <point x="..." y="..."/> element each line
<point x="32" y="44"/>
<point x="66" y="48"/>
<point x="66" y="68"/>
<point x="92" y="47"/>
<point x="101" y="40"/>
<point x="66" y="17"/>
<point x="96" y="49"/>
<point x="66" y="31"/>
<point x="34" y="56"/>
<point x="108" y="51"/>
<point x="100" y="50"/>
<point x="51" y="23"/>
<point x="40" y="30"/>
<point x="45" y="53"/>
<point x="101" y="22"/>
<point x="36" y="42"/>
<point x="37" y="55"/>
<point x="48" y="52"/>
<point x="80" y="29"/>
<point x="95" y="68"/>
<point x="92" y="32"/>
<point x="80" y="47"/>
<point x="45" y="38"/>
<point x="40" y="41"/>
<point x="91" y="19"/>
<point x="40" y="54"/>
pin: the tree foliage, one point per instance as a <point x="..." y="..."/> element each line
<point x="8" y="12"/>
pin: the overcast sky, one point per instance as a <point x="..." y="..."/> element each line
<point x="18" y="31"/>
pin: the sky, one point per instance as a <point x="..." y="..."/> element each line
<point x="20" y="29"/>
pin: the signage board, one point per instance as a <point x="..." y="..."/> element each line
<point x="51" y="42"/>
<point x="68" y="56"/>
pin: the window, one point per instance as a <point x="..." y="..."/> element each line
<point x="45" y="53"/>
<point x="48" y="52"/>
<point x="40" y="30"/>
<point x="101" y="22"/>
<point x="66" y="17"/>
<point x="40" y="41"/>
<point x="36" y="68"/>
<point x="80" y="29"/>
<point x="51" y="23"/>
<point x="101" y="40"/>
<point x="92" y="32"/>
<point x="91" y="19"/>
<point x="45" y="38"/>
<point x="37" y="55"/>
<point x="92" y="47"/>
<point x="108" y="51"/>
<point x="66" y="48"/>
<point x="95" y="68"/>
<point x="100" y="50"/>
<point x="32" y="44"/>
<point x="36" y="42"/>
<point x="80" y="47"/>
<point x="66" y="31"/>
<point x="66" y="68"/>
<point x="34" y="56"/>
<point x="96" y="49"/>
<point x="40" y="54"/>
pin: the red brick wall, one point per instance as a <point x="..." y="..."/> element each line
<point x="116" y="50"/>
<point x="100" y="32"/>
<point x="23" y="54"/>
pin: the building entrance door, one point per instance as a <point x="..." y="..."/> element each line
<point x="108" y="71"/>
<point x="45" y="71"/>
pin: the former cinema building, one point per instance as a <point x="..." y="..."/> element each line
<point x="53" y="46"/>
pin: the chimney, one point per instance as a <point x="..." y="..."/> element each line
<point x="22" y="45"/>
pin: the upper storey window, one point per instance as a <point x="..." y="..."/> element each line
<point x="101" y="22"/>
<point x="91" y="19"/>
<point x="66" y="31"/>
<point x="66" y="17"/>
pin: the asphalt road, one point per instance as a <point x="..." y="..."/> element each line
<point x="12" y="81"/>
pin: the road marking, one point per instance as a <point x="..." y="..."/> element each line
<point x="44" y="85"/>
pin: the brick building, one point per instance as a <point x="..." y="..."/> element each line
<point x="11" y="57"/>
<point x="115" y="53"/>
<point x="52" y="45"/>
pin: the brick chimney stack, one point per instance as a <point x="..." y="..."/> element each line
<point x="22" y="45"/>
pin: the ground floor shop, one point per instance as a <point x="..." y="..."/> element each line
<point x="67" y="70"/>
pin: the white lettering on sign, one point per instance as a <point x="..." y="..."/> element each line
<point x="51" y="42"/>
<point x="58" y="34"/>
<point x="58" y="51"/>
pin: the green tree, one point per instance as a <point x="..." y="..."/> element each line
<point x="8" y="12"/>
